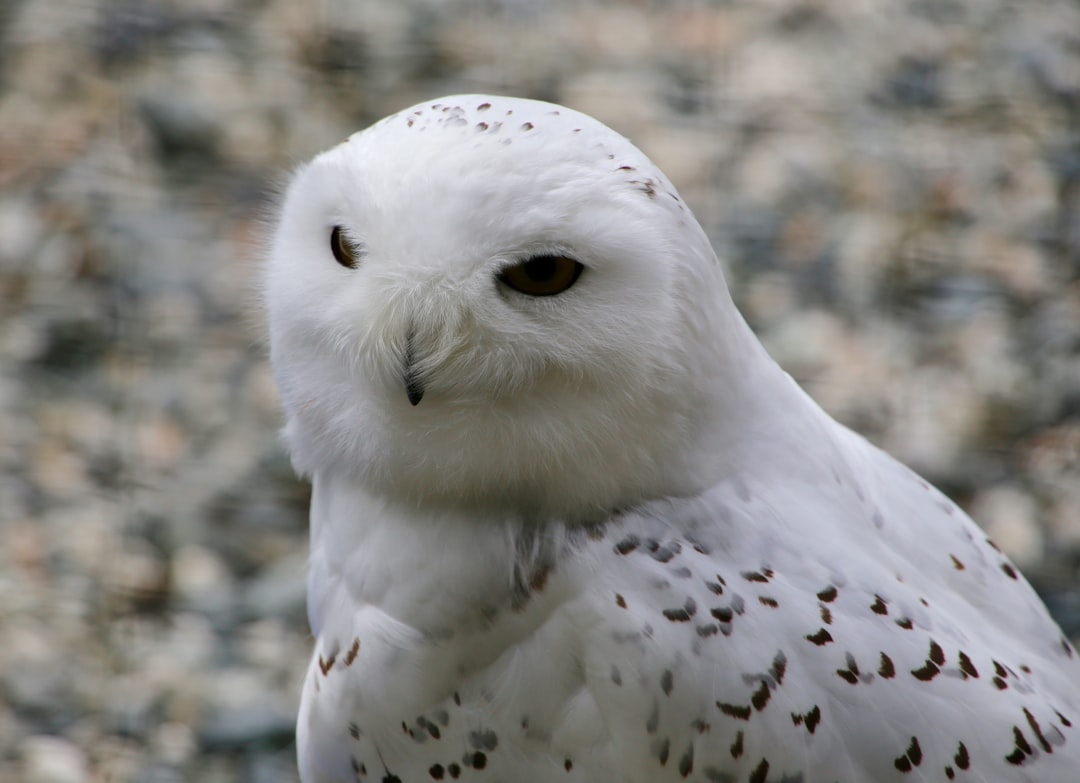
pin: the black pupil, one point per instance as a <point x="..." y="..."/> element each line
<point x="540" y="270"/>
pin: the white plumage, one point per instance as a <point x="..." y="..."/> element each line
<point x="571" y="523"/>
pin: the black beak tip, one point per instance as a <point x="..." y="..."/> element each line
<point x="415" y="392"/>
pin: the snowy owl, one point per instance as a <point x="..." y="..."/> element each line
<point x="570" y="522"/>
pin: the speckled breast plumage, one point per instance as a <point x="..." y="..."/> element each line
<point x="676" y="642"/>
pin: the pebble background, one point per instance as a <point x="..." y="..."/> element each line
<point x="895" y="188"/>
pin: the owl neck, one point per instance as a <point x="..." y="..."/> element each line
<point x="381" y="552"/>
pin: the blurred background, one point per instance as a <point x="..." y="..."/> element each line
<point x="894" y="188"/>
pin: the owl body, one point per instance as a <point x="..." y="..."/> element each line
<point x="670" y="642"/>
<point x="596" y="534"/>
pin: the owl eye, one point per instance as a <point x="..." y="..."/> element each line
<point x="344" y="249"/>
<point x="542" y="275"/>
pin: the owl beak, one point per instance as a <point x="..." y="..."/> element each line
<point x="414" y="388"/>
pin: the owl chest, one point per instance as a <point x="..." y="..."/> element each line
<point x="505" y="694"/>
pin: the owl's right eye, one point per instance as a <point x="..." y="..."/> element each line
<point x="346" y="252"/>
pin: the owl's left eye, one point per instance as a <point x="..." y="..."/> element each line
<point x="544" y="275"/>
<point x="344" y="249"/>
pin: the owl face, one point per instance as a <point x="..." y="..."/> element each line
<point x="489" y="301"/>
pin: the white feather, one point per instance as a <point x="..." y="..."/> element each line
<point x="613" y="541"/>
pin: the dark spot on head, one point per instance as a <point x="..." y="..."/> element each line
<point x="905" y="623"/>
<point x="627" y="545"/>
<point x="525" y="126"/>
<point x="826" y="615"/>
<point x="483" y="107"/>
<point x="616" y="675"/>
<point x="715" y="588"/>
<point x="1009" y="571"/>
<point x="754" y="576"/>
<point x="821" y="638"/>
<point x="351" y="655"/>
<point x="568" y="764"/>
<point x="625" y="168"/>
<point x="482" y="126"/>
<point x="765" y="600"/>
<point x="620" y="601"/>
<point x="879" y="606"/>
<point x="956" y="563"/>
<point x="667" y="682"/>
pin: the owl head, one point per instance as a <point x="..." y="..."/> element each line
<point x="494" y="302"/>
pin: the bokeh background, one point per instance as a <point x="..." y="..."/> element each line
<point x="894" y="187"/>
